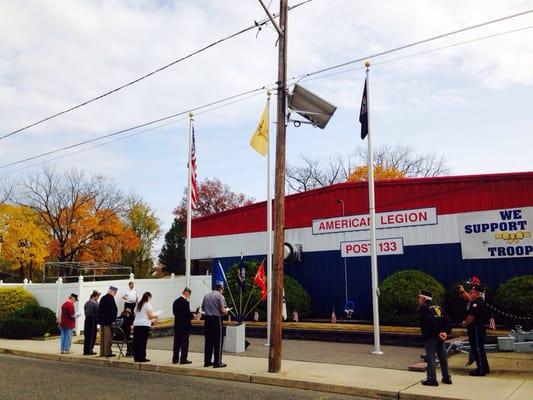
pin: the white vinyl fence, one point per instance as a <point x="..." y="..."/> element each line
<point x="164" y="292"/>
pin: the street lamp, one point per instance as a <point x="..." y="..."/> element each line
<point x="341" y="202"/>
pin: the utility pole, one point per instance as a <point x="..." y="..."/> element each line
<point x="274" y="356"/>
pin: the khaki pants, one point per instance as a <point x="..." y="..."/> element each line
<point x="105" y="340"/>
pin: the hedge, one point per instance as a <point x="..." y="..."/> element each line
<point x="27" y="322"/>
<point x="398" y="296"/>
<point x="296" y="296"/>
<point x="13" y="299"/>
<point x="516" y="297"/>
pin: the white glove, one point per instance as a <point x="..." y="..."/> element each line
<point x="77" y="315"/>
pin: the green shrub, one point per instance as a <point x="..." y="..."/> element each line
<point x="27" y="322"/>
<point x="296" y="296"/>
<point x="516" y="297"/>
<point x="13" y="299"/>
<point x="455" y="305"/>
<point x="398" y="296"/>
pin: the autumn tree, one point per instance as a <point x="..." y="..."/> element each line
<point x="380" y="173"/>
<point x="213" y="197"/>
<point x="315" y="173"/>
<point x="172" y="255"/>
<point x="82" y="213"/>
<point x="142" y="220"/>
<point x="24" y="240"/>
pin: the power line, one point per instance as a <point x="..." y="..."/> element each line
<point x="130" y="135"/>
<point x="292" y="79"/>
<point x="130" y="83"/>
<point x="382" y="53"/>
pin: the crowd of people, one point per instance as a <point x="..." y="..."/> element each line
<point x="435" y="327"/>
<point x="133" y="325"/>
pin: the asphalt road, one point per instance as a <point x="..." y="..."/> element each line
<point x="31" y="379"/>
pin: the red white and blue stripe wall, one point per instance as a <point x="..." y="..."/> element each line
<point x="450" y="227"/>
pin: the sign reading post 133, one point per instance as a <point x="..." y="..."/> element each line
<point x="361" y="248"/>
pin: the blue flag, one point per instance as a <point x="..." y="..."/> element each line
<point x="219" y="275"/>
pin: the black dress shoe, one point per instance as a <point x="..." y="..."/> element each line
<point x="145" y="360"/>
<point x="430" y="383"/>
<point x="111" y="355"/>
<point x="476" y="373"/>
<point x="221" y="365"/>
<point x="175" y="361"/>
<point x="208" y="364"/>
<point x="447" y="381"/>
<point x="185" y="362"/>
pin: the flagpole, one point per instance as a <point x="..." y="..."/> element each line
<point x="189" y="208"/>
<point x="372" y="209"/>
<point x="269" y="230"/>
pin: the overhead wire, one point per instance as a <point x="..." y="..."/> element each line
<point x="295" y="78"/>
<point x="256" y="25"/>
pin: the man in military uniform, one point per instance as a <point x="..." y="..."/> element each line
<point x="476" y="319"/>
<point x="214" y="308"/>
<point x="435" y="327"/>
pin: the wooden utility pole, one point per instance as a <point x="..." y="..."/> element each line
<point x="274" y="356"/>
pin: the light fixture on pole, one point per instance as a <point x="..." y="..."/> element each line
<point x="314" y="109"/>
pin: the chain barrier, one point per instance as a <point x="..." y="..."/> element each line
<point x="516" y="317"/>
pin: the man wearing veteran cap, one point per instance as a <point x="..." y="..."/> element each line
<point x="435" y="327"/>
<point x="107" y="315"/>
<point x="475" y="322"/>
<point x="214" y="308"/>
<point x="68" y="322"/>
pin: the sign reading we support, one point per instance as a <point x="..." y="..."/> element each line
<point x="497" y="233"/>
<point x="392" y="219"/>
<point x="361" y="248"/>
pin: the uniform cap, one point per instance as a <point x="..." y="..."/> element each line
<point x="425" y="294"/>
<point x="219" y="284"/>
<point x="474" y="281"/>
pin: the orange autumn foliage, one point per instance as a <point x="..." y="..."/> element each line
<point x="90" y="233"/>
<point x="360" y="174"/>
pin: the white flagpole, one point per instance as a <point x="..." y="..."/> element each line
<point x="189" y="209"/>
<point x="269" y="230"/>
<point x="372" y="207"/>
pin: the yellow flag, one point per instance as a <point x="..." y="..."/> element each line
<point x="259" y="140"/>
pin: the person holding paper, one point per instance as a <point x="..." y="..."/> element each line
<point x="214" y="308"/>
<point x="182" y="327"/>
<point x="144" y="316"/>
<point x="68" y="322"/>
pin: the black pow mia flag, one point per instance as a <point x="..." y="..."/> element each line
<point x="363" y="114"/>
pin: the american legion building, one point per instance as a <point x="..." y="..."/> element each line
<point x="450" y="227"/>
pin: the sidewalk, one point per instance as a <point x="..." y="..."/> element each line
<point x="334" y="378"/>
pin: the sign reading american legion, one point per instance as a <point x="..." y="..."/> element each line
<point x="497" y="233"/>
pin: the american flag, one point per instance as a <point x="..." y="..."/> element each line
<point x="492" y="324"/>
<point x="194" y="185"/>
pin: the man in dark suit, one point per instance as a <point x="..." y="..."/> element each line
<point x="182" y="327"/>
<point x="107" y="315"/>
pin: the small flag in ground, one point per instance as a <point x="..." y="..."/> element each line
<point x="284" y="306"/>
<point x="256" y="316"/>
<point x="295" y="317"/>
<point x="492" y="324"/>
<point x="259" y="140"/>
<point x="363" y="114"/>
<point x="192" y="171"/>
<point x="333" y="317"/>
<point x="260" y="280"/>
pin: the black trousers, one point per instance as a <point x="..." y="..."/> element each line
<point x="436" y="346"/>
<point x="181" y="344"/>
<point x="214" y="339"/>
<point x="130" y="306"/>
<point x="89" y="333"/>
<point x="476" y="337"/>
<point x="140" y="339"/>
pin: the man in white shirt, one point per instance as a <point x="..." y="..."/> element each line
<point x="130" y="297"/>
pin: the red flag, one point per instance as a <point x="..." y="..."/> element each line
<point x="260" y="280"/>
<point x="194" y="185"/>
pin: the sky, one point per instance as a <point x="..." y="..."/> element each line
<point x="471" y="103"/>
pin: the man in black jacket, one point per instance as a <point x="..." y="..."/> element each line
<point x="435" y="327"/>
<point x="476" y="319"/>
<point x="182" y="327"/>
<point x="107" y="315"/>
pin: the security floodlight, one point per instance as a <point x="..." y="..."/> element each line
<point x="316" y="110"/>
